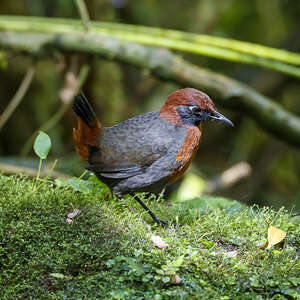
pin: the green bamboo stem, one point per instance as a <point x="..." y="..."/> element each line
<point x="221" y="48"/>
<point x="240" y="46"/>
<point x="205" y="50"/>
<point x="226" y="43"/>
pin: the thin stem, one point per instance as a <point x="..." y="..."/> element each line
<point x="17" y="98"/>
<point x="84" y="14"/>
<point x="39" y="170"/>
<point x="81" y="176"/>
<point x="51" y="169"/>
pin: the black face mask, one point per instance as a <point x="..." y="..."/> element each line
<point x="193" y="115"/>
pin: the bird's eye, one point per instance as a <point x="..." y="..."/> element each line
<point x="194" y="108"/>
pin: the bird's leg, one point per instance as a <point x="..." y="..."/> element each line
<point x="148" y="210"/>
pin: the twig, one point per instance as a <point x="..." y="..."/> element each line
<point x="66" y="102"/>
<point x="19" y="95"/>
<point x="84" y="14"/>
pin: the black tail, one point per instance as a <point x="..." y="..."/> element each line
<point x="84" y="110"/>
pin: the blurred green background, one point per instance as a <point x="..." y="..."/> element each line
<point x="118" y="91"/>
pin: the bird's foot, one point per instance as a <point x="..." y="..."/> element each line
<point x="161" y="222"/>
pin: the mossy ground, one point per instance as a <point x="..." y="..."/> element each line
<point x="107" y="253"/>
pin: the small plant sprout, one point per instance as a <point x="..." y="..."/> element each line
<point x="42" y="146"/>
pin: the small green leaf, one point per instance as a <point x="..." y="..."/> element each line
<point x="42" y="145"/>
<point x="57" y="275"/>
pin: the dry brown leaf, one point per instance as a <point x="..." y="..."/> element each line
<point x="158" y="242"/>
<point x="175" y="279"/>
<point x="275" y="236"/>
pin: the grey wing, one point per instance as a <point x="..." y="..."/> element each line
<point x="152" y="180"/>
<point x="128" y="148"/>
<point x="115" y="172"/>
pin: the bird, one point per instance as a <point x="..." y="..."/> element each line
<point x="146" y="152"/>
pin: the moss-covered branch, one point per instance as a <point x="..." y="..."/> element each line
<point x="271" y="116"/>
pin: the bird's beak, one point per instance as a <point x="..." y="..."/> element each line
<point x="220" y="117"/>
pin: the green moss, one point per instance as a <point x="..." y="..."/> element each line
<point x="107" y="253"/>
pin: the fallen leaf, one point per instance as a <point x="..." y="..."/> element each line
<point x="275" y="236"/>
<point x="158" y="242"/>
<point x="175" y="279"/>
